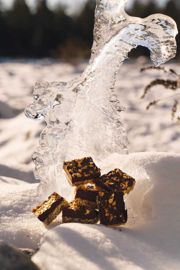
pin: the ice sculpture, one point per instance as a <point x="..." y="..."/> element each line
<point x="83" y="116"/>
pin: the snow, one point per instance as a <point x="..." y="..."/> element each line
<point x="18" y="140"/>
<point x="150" y="239"/>
<point x="83" y="117"/>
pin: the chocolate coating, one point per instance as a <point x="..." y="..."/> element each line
<point x="50" y="209"/>
<point x="80" y="211"/>
<point x="111" y="208"/>
<point x="88" y="192"/>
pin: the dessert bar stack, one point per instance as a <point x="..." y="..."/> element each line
<point x="98" y="198"/>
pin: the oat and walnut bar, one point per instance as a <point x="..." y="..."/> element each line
<point x="79" y="211"/>
<point x="111" y="208"/>
<point x="88" y="192"/>
<point x="50" y="209"/>
<point x="79" y="171"/>
<point x="117" y="181"/>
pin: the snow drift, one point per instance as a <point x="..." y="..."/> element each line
<point x="150" y="239"/>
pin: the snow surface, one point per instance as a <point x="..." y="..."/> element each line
<point x="151" y="238"/>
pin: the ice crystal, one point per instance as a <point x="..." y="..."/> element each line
<point x="83" y="116"/>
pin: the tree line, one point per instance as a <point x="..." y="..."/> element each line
<point x="53" y="33"/>
<point x="43" y="32"/>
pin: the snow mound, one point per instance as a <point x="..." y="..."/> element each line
<point x="150" y="239"/>
<point x="72" y="246"/>
<point x="18" y="226"/>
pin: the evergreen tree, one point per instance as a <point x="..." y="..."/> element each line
<point x="43" y="20"/>
<point x="3" y="32"/>
<point x="137" y="9"/>
<point x="51" y="29"/>
<point x="19" y="28"/>
<point x="150" y="8"/>
<point x="63" y="28"/>
<point x="171" y="9"/>
<point x="85" y="23"/>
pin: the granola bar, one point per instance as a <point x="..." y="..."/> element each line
<point x="79" y="211"/>
<point x="117" y="181"/>
<point x="50" y="209"/>
<point x="79" y="171"/>
<point x="111" y="208"/>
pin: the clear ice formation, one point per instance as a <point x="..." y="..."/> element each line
<point x="83" y="116"/>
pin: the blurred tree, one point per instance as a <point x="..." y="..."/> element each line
<point x="79" y="41"/>
<point x="43" y="25"/>
<point x="48" y="32"/>
<point x="171" y="9"/>
<point x="19" y="29"/>
<point x="150" y="8"/>
<point x="85" y="23"/>
<point x="63" y="28"/>
<point x="140" y="9"/>
<point x="51" y="29"/>
<point x="137" y="9"/>
<point x="3" y="32"/>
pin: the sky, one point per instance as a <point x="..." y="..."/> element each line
<point x="73" y="5"/>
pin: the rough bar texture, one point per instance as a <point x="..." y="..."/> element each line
<point x="80" y="211"/>
<point x="81" y="170"/>
<point x="117" y="181"/>
<point x="88" y="192"/>
<point x="50" y="209"/>
<point x="111" y="208"/>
